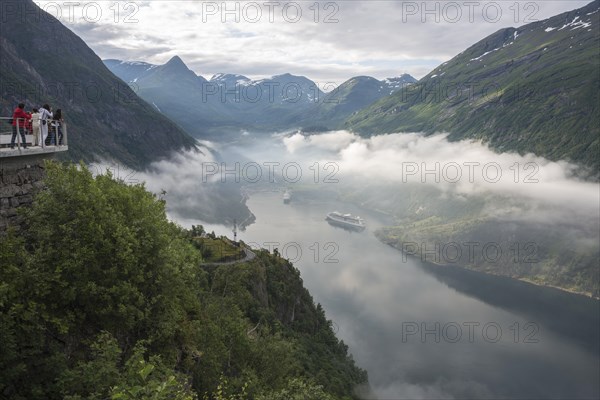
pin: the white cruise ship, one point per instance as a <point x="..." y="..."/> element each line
<point x="346" y="221"/>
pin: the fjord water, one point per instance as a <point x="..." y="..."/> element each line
<point x="537" y="342"/>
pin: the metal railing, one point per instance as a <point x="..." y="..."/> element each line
<point x="51" y="134"/>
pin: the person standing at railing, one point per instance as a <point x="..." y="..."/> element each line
<point x="35" y="127"/>
<point x="45" y="117"/>
<point x="28" y="124"/>
<point x="56" y="127"/>
<point x="19" y="122"/>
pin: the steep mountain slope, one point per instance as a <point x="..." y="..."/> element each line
<point x="129" y="71"/>
<point x="351" y="96"/>
<point x="230" y="79"/>
<point x="173" y="72"/>
<point x="264" y="102"/>
<point x="177" y="92"/>
<point x="268" y="102"/>
<point x="397" y="83"/>
<point x="43" y="61"/>
<point x="527" y="89"/>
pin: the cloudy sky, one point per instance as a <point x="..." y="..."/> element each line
<point x="325" y="41"/>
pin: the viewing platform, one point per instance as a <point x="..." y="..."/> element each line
<point x="35" y="147"/>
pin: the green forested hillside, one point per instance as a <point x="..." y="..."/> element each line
<point x="528" y="89"/>
<point x="101" y="297"/>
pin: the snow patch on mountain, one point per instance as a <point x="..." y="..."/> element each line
<point x="484" y="54"/>
<point x="134" y="63"/>
<point x="576" y="24"/>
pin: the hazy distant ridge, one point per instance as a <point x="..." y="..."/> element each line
<point x="232" y="102"/>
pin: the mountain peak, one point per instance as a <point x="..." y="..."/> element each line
<point x="222" y="77"/>
<point x="176" y="61"/>
<point x="363" y="78"/>
<point x="287" y="77"/>
<point x="175" y="67"/>
<point x="402" y="78"/>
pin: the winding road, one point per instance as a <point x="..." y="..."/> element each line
<point x="249" y="256"/>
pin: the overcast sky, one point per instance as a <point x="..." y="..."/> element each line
<point x="262" y="38"/>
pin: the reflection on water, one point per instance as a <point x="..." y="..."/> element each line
<point x="424" y="331"/>
<point x="579" y="320"/>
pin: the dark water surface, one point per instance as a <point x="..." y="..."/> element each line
<point x="424" y="331"/>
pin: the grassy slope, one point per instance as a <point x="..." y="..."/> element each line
<point x="335" y="107"/>
<point x="536" y="93"/>
<point x="328" y="112"/>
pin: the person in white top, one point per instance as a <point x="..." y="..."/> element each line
<point x="45" y="117"/>
<point x="35" y="127"/>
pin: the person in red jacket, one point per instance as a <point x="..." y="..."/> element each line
<point x="29" y="124"/>
<point x="20" y="120"/>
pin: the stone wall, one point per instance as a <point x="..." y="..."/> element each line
<point x="19" y="182"/>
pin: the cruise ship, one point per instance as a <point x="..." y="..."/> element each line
<point x="346" y="221"/>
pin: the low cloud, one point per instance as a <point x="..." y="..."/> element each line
<point x="191" y="197"/>
<point x="464" y="168"/>
<point x="513" y="187"/>
<point x="363" y="297"/>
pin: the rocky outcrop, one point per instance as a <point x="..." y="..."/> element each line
<point x="19" y="182"/>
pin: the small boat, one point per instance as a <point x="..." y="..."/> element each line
<point x="346" y="221"/>
<point x="287" y="197"/>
